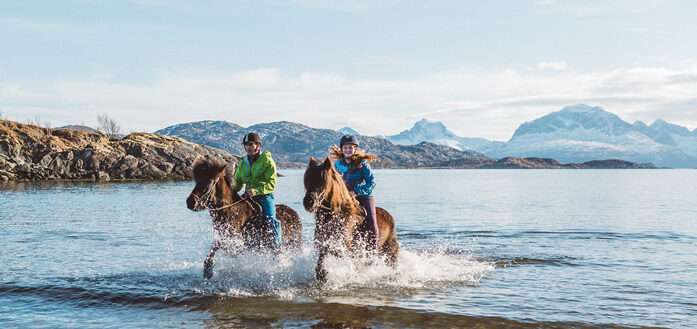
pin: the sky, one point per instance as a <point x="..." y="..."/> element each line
<point x="480" y="67"/>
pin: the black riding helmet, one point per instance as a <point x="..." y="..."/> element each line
<point x="348" y="139"/>
<point x="251" y="137"/>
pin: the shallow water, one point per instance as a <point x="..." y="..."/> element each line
<point x="488" y="248"/>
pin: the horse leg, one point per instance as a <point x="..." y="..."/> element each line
<point x="390" y="250"/>
<point x="208" y="263"/>
<point x="320" y="271"/>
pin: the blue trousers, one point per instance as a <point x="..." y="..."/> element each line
<point x="274" y="225"/>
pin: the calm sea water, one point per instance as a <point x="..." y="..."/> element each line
<point x="488" y="248"/>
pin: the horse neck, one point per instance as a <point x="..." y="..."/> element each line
<point x="238" y="212"/>
<point x="346" y="204"/>
<point x="223" y="192"/>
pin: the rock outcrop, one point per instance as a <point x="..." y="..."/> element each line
<point x="33" y="153"/>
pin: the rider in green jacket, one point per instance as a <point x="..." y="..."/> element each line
<point x="256" y="172"/>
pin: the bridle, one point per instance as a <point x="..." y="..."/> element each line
<point x="318" y="201"/>
<point x="207" y="202"/>
<point x="204" y="199"/>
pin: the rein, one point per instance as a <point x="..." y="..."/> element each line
<point x="205" y="197"/>
<point x="232" y="204"/>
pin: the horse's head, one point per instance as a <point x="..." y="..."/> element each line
<point x="324" y="188"/>
<point x="315" y="180"/>
<point x="210" y="175"/>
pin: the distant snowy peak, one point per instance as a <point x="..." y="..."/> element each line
<point x="582" y="108"/>
<point x="424" y="130"/>
<point x="436" y="133"/>
<point x="431" y="129"/>
<point x="348" y="131"/>
<point x="574" y="118"/>
<point x="662" y="126"/>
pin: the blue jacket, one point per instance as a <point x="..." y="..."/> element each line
<point x="359" y="181"/>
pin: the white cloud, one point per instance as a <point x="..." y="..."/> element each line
<point x="471" y="103"/>
<point x="558" y="66"/>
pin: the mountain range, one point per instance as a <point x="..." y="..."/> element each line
<point x="577" y="133"/>
<point x="292" y="144"/>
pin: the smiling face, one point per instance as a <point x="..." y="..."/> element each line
<point x="251" y="148"/>
<point x="348" y="150"/>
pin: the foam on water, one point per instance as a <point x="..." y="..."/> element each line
<point x="292" y="275"/>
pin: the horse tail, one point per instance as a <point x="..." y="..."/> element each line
<point x="388" y="235"/>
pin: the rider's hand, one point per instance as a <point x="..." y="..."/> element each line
<point x="353" y="194"/>
<point x="249" y="193"/>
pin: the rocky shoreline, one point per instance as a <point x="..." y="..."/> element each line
<point x="32" y="153"/>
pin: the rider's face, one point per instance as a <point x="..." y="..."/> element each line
<point x="251" y="148"/>
<point x="348" y="149"/>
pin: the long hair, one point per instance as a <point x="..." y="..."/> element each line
<point x="336" y="153"/>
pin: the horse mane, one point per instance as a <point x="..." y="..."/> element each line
<point x="335" y="153"/>
<point x="209" y="165"/>
<point x="337" y="194"/>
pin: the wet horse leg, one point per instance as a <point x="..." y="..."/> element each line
<point x="208" y="263"/>
<point x="320" y="271"/>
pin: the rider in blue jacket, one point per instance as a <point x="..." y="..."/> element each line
<point x="355" y="171"/>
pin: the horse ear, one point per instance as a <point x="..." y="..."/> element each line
<point x="327" y="163"/>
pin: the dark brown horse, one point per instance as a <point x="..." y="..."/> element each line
<point x="339" y="219"/>
<point x="234" y="216"/>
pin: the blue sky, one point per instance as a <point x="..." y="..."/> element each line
<point x="481" y="67"/>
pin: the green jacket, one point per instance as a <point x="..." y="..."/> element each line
<point x="260" y="176"/>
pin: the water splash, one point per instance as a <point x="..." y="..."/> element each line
<point x="292" y="275"/>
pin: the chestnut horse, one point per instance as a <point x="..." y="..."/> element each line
<point x="234" y="216"/>
<point x="339" y="219"/>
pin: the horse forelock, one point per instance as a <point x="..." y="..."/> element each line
<point x="312" y="175"/>
<point x="210" y="166"/>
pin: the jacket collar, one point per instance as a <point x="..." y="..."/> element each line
<point x="253" y="158"/>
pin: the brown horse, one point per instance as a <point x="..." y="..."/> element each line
<point x="234" y="216"/>
<point x="339" y="219"/>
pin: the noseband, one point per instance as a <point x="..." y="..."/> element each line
<point x="317" y="200"/>
<point x="205" y="199"/>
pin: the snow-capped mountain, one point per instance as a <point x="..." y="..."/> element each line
<point x="575" y="134"/>
<point x="437" y="133"/>
<point x="348" y="131"/>
<point x="581" y="133"/>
